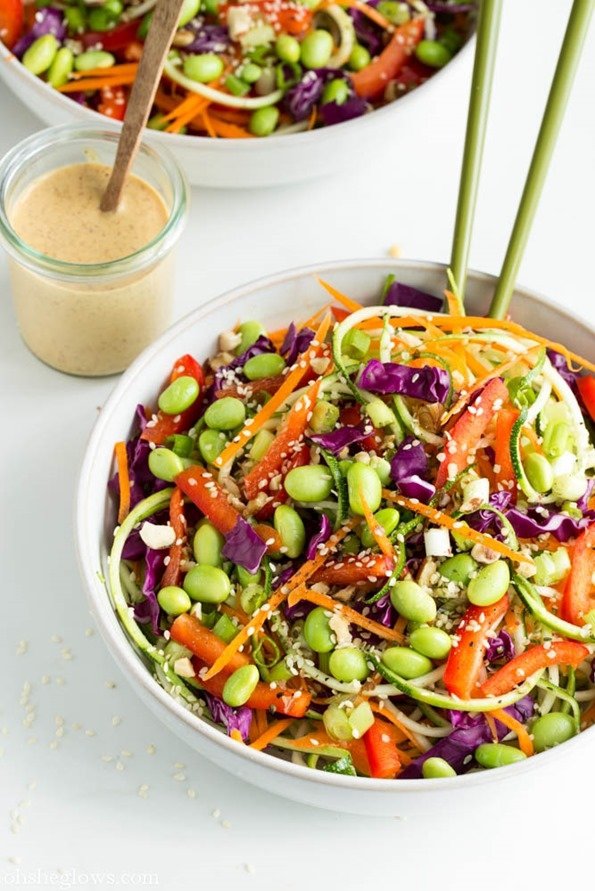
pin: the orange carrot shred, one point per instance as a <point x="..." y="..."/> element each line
<point x="350" y="615"/>
<point x="371" y="13"/>
<point x="347" y="302"/>
<point x="123" y="480"/>
<point x="441" y="519"/>
<point x="271" y="734"/>
<point x="236" y="735"/>
<point x="525" y="741"/>
<point x="381" y="538"/>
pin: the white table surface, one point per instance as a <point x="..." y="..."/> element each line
<point x="69" y="781"/>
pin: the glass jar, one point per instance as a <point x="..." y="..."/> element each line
<point x="90" y="319"/>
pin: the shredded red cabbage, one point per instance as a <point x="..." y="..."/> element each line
<point x="500" y="647"/>
<point x="147" y="611"/>
<point x="208" y="39"/>
<point x="338" y="439"/>
<point x="48" y="20"/>
<point x="539" y="520"/>
<point x="471" y="730"/>
<point x="244" y="547"/>
<point x="367" y="32"/>
<point x="323" y="534"/>
<point x="231" y="718"/>
<point x="295" y="342"/>
<point x="428" y="383"/>
<point x="335" y="113"/>
<point x="300" y="99"/>
<point x="415" y="487"/>
<point x="398" y="294"/>
<point x="409" y="460"/>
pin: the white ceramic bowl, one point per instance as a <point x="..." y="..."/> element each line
<point x="274" y="301"/>
<point x="251" y="163"/>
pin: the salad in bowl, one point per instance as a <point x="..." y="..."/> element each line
<point x="239" y="70"/>
<point x="364" y="542"/>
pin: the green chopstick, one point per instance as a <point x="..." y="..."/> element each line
<point x="568" y="60"/>
<point x="488" y="26"/>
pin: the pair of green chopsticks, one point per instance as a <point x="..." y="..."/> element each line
<point x="481" y="87"/>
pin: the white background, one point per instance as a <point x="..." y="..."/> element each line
<point x="64" y="808"/>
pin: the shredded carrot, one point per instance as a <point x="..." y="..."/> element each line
<point x="588" y="716"/>
<point x="123" y="480"/>
<point x="279" y="335"/>
<point x="441" y="519"/>
<point x="380" y="536"/>
<point x="228" y="130"/>
<point x="312" y="118"/>
<point x="371" y="13"/>
<point x="525" y="741"/>
<point x="350" y="615"/>
<point x="238" y="614"/>
<point x="492" y="726"/>
<point x="236" y="735"/>
<point x="401" y="625"/>
<point x="96" y="83"/>
<point x="454" y="304"/>
<point x="385" y="713"/>
<point x="113" y="71"/>
<point x="207" y="124"/>
<point x="478" y="367"/>
<point x="270" y="734"/>
<point x="277" y="400"/>
<point x="530" y="434"/>
<point x="260" y="721"/>
<point x="266" y="610"/>
<point x="343" y="299"/>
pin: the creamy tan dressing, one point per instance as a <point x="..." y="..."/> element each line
<point x="59" y="215"/>
<point x="98" y="324"/>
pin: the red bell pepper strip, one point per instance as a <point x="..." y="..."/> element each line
<point x="112" y="102"/>
<point x="199" y="485"/>
<point x="561" y="652"/>
<point x="579" y="592"/>
<point x="11" y="21"/>
<point x="382" y="753"/>
<point x="116" y="39"/>
<point x="351" y="570"/>
<point x="372" y="79"/>
<point x="586" y="388"/>
<point x="266" y="385"/>
<point x="286" y="443"/>
<point x="339" y="313"/>
<point x="190" y="632"/>
<point x="171" y="575"/>
<point x="505" y="421"/>
<point x="158" y="429"/>
<point x="470" y="427"/>
<point x="466" y="658"/>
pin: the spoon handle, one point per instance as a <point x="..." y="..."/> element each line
<point x="161" y="32"/>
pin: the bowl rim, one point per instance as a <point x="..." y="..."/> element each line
<point x="176" y="140"/>
<point x="114" y="634"/>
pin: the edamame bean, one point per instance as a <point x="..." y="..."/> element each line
<point x="240" y="686"/>
<point x="316" y="49"/>
<point x="336" y="91"/>
<point x="434" y="768"/>
<point x="180" y="444"/>
<point x="317" y="631"/>
<point x="363" y="481"/>
<point x="497" y="755"/>
<point x="552" y="729"/>
<point x="459" y="569"/>
<point x="412" y="602"/>
<point x="207" y="545"/>
<point x="406" y="662"/>
<point x="249" y="331"/>
<point x="490" y="584"/>
<point x="348" y="664"/>
<point x="264" y="365"/>
<point x="179" y="395"/>
<point x="225" y="414"/>
<point x="252" y="597"/>
<point x="539" y="472"/>
<point x="388" y="518"/>
<point x="261" y="444"/>
<point x="102" y="19"/>
<point x="290" y="527"/>
<point x="431" y="642"/>
<point x="189" y="10"/>
<point x="397" y="13"/>
<point x="287" y="48"/>
<point x="324" y="417"/>
<point x="204" y="67"/>
<point x="61" y="67"/>
<point x="310" y="483"/>
<point x="263" y="121"/>
<point x="75" y="19"/>
<point x="210" y="445"/>
<point x="432" y="53"/>
<point x="207" y="584"/>
<point x="165" y="464"/>
<point x="173" y="600"/>
<point x="359" y="58"/>
<point x="40" y="54"/>
<point x="250" y="73"/>
<point x="94" y="59"/>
